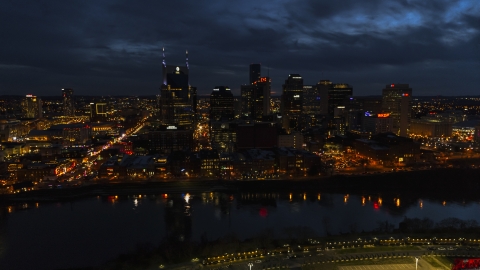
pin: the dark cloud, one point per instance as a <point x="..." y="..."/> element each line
<point x="115" y="47"/>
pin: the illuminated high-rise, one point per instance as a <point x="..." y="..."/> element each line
<point x="246" y="99"/>
<point x="396" y="100"/>
<point x="68" y="102"/>
<point x="176" y="96"/>
<point x="32" y="107"/>
<point x="221" y="104"/>
<point x="292" y="99"/>
<point x="255" y="96"/>
<point x="322" y="89"/>
<point x="261" y="98"/>
<point x="338" y="94"/>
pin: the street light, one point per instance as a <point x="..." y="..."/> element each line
<point x="250" y="265"/>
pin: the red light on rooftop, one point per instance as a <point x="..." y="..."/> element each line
<point x="392" y="85"/>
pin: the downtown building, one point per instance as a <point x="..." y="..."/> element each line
<point x="397" y="101"/>
<point x="98" y="111"/>
<point x="430" y="127"/>
<point x="68" y="102"/>
<point x="291" y="102"/>
<point x="377" y="123"/>
<point x="389" y="149"/>
<point x="176" y="112"/>
<point x="222" y="114"/>
<point x="311" y="107"/>
<point x="256" y="96"/>
<point x="176" y="96"/>
<point x="221" y="104"/>
<point x="325" y="100"/>
<point x="261" y="97"/>
<point x="339" y="95"/>
<point x="32" y="107"/>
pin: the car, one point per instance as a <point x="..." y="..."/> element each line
<point x="258" y="261"/>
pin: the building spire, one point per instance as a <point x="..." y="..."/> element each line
<point x="163" y="57"/>
<point x="186" y="58"/>
<point x="164" y="67"/>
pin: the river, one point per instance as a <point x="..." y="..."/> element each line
<point x="88" y="232"/>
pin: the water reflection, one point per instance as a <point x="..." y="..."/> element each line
<point x="187" y="205"/>
<point x="345" y="198"/>
<point x="180" y="218"/>
<point x="223" y="201"/>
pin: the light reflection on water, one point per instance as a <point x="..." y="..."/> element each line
<point x="103" y="227"/>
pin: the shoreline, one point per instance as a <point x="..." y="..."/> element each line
<point x="445" y="183"/>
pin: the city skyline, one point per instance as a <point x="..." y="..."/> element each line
<point x="107" y="48"/>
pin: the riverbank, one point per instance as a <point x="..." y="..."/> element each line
<point x="445" y="183"/>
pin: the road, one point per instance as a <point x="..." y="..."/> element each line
<point x="316" y="259"/>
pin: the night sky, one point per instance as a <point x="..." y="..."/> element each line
<point x="115" y="47"/>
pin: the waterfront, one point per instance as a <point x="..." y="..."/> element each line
<point x="91" y="231"/>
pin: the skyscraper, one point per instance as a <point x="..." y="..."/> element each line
<point x="311" y="107"/>
<point x="322" y="88"/>
<point x="68" y="102"/>
<point x="311" y="100"/>
<point x="255" y="97"/>
<point x="338" y="94"/>
<point x="255" y="72"/>
<point x="246" y="99"/>
<point x="396" y="100"/>
<point x="261" y="98"/>
<point x="221" y="104"/>
<point x="176" y="97"/>
<point x="32" y="107"/>
<point x="292" y="99"/>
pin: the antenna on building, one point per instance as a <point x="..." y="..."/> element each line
<point x="186" y="58"/>
<point x="163" y="59"/>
